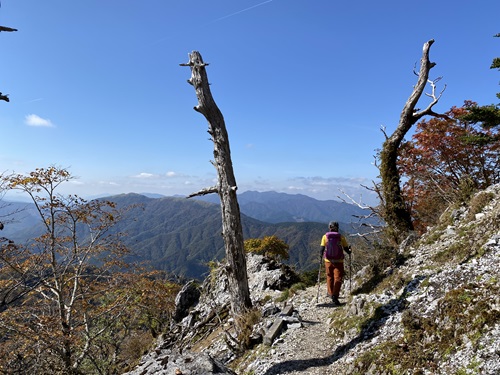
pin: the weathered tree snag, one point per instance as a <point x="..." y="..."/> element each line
<point x="395" y="211"/>
<point x="226" y="186"/>
<point x="9" y="29"/>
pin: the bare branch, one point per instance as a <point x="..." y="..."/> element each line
<point x="205" y="191"/>
<point x="382" y="129"/>
<point x="358" y="204"/>
<point x="8" y="29"/>
<point x="428" y="111"/>
<point x="368" y="234"/>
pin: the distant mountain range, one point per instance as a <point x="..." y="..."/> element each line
<point x="273" y="207"/>
<point x="181" y="236"/>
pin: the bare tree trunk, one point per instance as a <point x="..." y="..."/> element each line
<point x="8" y="29"/>
<point x="395" y="211"/>
<point x="226" y="187"/>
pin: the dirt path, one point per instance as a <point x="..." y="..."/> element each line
<point x="306" y="350"/>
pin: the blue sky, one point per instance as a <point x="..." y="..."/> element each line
<point x="304" y="86"/>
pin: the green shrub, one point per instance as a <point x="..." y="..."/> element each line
<point x="270" y="246"/>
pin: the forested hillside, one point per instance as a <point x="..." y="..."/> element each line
<point x="180" y="236"/>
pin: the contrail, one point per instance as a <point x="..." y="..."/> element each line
<point x="221" y="18"/>
<point x="241" y="11"/>
<point x="34" y="100"/>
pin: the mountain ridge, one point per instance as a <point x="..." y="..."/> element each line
<point x="434" y="310"/>
<point x="176" y="234"/>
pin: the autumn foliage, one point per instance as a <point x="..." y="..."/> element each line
<point x="270" y="246"/>
<point x="445" y="161"/>
<point x="68" y="305"/>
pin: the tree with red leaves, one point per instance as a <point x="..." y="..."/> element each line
<point x="444" y="158"/>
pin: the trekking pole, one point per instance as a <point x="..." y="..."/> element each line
<point x="319" y="277"/>
<point x="350" y="272"/>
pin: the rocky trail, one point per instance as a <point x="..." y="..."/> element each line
<point x="309" y="349"/>
<point x="435" y="311"/>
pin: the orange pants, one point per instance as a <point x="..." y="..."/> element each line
<point x="334" y="276"/>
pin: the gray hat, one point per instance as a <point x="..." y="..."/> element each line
<point x="333" y="224"/>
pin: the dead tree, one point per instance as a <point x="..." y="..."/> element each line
<point x="232" y="231"/>
<point x="8" y="29"/>
<point x="395" y="212"/>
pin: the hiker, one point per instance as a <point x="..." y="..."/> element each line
<point x="333" y="245"/>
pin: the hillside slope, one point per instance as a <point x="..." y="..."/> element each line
<point x="181" y="236"/>
<point x="435" y="311"/>
<point x="438" y="312"/>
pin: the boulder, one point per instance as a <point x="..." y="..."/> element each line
<point x="172" y="362"/>
<point x="185" y="299"/>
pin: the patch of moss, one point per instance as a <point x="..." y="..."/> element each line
<point x="344" y="321"/>
<point x="472" y="368"/>
<point x="478" y="203"/>
<point x="374" y="277"/>
<point x="425" y="283"/>
<point x="382" y="268"/>
<point x="287" y="293"/>
<point x="395" y="281"/>
<point x="266" y="299"/>
<point x="392" y="358"/>
<point x="433" y="237"/>
<point x="493" y="280"/>
<point x="457" y="252"/>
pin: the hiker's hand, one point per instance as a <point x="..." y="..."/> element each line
<point x="348" y="250"/>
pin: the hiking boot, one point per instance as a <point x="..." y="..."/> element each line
<point x="336" y="301"/>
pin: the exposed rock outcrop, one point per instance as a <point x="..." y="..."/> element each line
<point x="185" y="299"/>
<point x="434" y="311"/>
<point x="203" y="323"/>
<point x="169" y="362"/>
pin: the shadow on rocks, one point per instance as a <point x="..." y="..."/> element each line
<point x="368" y="331"/>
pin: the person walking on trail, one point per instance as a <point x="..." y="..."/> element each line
<point x="333" y="245"/>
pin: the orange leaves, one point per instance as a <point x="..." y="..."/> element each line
<point x="65" y="306"/>
<point x="52" y="291"/>
<point x="442" y="154"/>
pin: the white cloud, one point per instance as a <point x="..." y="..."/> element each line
<point x="75" y="182"/>
<point x="335" y="188"/>
<point x="171" y="174"/>
<point x="35" y="120"/>
<point x="144" y="175"/>
<point x="111" y="183"/>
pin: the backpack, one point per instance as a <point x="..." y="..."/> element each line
<point x="334" y="248"/>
